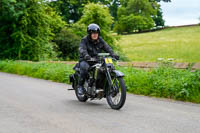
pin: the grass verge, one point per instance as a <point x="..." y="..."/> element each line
<point x="164" y="81"/>
<point x="57" y="72"/>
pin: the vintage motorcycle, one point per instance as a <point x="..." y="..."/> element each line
<point x="112" y="84"/>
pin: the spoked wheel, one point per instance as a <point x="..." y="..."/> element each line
<point x="81" y="98"/>
<point x="116" y="97"/>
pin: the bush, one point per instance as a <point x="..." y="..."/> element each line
<point x="68" y="43"/>
<point x="79" y="29"/>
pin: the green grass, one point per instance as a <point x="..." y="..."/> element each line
<point x="164" y="81"/>
<point x="182" y="44"/>
<point x="57" y="72"/>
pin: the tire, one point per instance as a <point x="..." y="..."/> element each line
<point x="83" y="98"/>
<point x="122" y="100"/>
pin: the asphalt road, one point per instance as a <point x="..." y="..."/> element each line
<point x="29" y="105"/>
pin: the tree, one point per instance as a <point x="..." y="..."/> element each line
<point x="99" y="14"/>
<point x="114" y="5"/>
<point x="133" y="23"/>
<point x="135" y="15"/>
<point x="26" y="29"/>
<point x="141" y="8"/>
<point x="163" y="0"/>
<point x="72" y="10"/>
<point x="199" y="20"/>
<point x="68" y="40"/>
<point x="158" y="19"/>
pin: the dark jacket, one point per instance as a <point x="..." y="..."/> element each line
<point x="92" y="48"/>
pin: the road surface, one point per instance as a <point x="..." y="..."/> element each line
<point x="29" y="105"/>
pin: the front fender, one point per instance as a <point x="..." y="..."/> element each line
<point x="118" y="73"/>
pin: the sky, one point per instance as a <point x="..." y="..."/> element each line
<point x="181" y="12"/>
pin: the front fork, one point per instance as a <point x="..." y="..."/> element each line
<point x="110" y="83"/>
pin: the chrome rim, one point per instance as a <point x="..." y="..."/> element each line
<point x="115" y="94"/>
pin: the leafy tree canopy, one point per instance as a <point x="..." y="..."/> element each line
<point x="26" y="29"/>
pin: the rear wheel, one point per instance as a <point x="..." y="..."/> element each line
<point x="116" y="97"/>
<point x="81" y="98"/>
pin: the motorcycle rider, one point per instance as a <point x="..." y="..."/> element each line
<point x="89" y="48"/>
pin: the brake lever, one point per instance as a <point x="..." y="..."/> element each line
<point x="115" y="59"/>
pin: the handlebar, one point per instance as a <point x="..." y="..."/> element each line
<point x="93" y="60"/>
<point x="96" y="59"/>
<point x="103" y="54"/>
<point x="99" y="57"/>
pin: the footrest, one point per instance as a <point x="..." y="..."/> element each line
<point x="70" y="89"/>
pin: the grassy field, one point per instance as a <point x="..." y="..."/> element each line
<point x="182" y="44"/>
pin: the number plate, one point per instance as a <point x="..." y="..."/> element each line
<point x="108" y="60"/>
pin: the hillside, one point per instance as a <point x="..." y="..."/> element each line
<point x="182" y="44"/>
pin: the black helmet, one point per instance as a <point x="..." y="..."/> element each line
<point x="93" y="28"/>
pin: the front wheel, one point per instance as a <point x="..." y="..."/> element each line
<point x="116" y="96"/>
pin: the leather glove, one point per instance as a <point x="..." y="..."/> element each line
<point x="115" y="56"/>
<point x="87" y="57"/>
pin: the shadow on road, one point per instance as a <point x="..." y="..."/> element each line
<point x="92" y="104"/>
<point x="88" y="103"/>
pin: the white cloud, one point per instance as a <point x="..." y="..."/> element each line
<point x="181" y="12"/>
